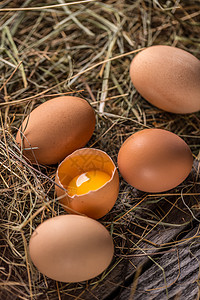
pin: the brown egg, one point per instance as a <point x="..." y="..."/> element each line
<point x="71" y="248"/>
<point x="55" y="129"/>
<point x="91" y="181"/>
<point x="168" y="78"/>
<point x="154" y="160"/>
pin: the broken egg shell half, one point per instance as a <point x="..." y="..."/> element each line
<point x="95" y="203"/>
<point x="71" y="248"/>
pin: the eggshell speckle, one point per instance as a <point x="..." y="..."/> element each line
<point x="154" y="160"/>
<point x="168" y="78"/>
<point x="55" y="129"/>
<point x="71" y="248"/>
<point x="94" y="204"/>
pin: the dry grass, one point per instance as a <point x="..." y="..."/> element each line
<point x="83" y="49"/>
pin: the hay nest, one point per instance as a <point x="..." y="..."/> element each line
<point x="84" y="49"/>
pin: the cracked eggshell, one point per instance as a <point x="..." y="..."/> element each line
<point x="55" y="129"/>
<point x="168" y="78"/>
<point x="94" y="204"/>
<point x="71" y="248"/>
<point x="154" y="160"/>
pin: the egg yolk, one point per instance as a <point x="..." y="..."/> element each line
<point x="89" y="181"/>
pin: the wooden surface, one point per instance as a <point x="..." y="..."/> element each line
<point x="180" y="269"/>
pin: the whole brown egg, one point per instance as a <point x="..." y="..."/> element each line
<point x="154" y="160"/>
<point x="71" y="248"/>
<point x="55" y="129"/>
<point x="168" y="78"/>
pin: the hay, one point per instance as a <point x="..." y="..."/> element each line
<point x="85" y="50"/>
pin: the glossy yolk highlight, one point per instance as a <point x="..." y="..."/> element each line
<point x="89" y="181"/>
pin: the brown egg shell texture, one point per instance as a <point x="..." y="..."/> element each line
<point x="167" y="77"/>
<point x="55" y="129"/>
<point x="71" y="248"/>
<point x="94" y="204"/>
<point x="154" y="160"/>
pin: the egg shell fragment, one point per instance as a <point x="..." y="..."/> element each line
<point x="154" y="160"/>
<point x="167" y="77"/>
<point x="94" y="204"/>
<point x="71" y="248"/>
<point x="55" y="129"/>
